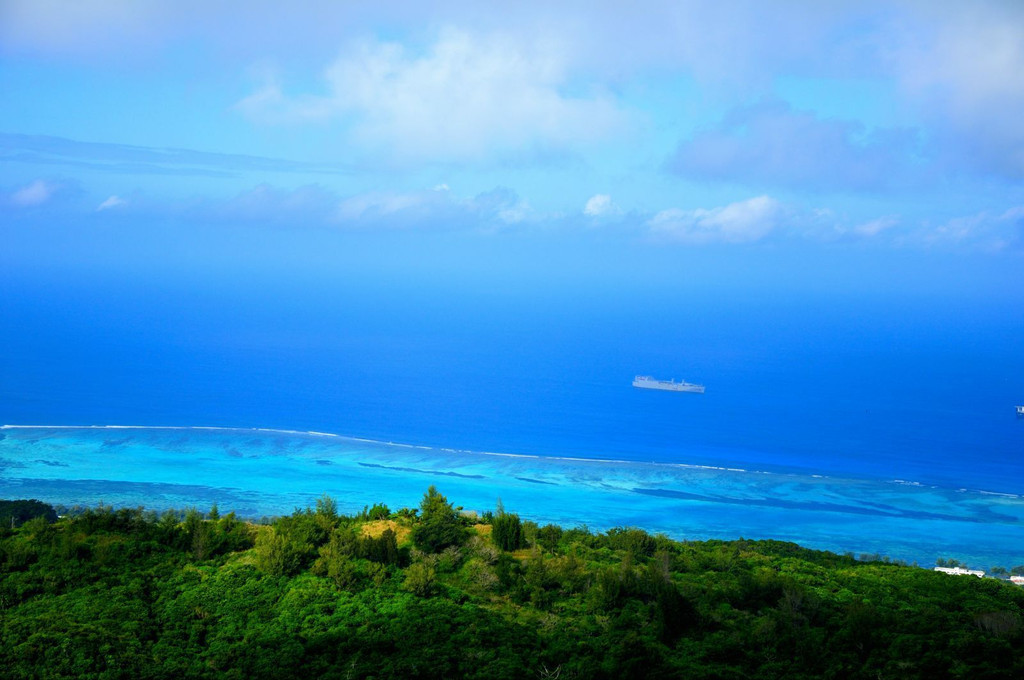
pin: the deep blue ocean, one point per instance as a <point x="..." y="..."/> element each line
<point x="910" y="391"/>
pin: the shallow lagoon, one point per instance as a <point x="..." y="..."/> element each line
<point x="267" y="472"/>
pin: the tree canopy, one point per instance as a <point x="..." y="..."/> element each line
<point x="125" y="593"/>
<point x="440" y="526"/>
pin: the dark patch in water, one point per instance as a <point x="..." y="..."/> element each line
<point x="235" y="453"/>
<point x="992" y="514"/>
<point x="535" y="481"/>
<point x="815" y="506"/>
<point x="111" y="443"/>
<point x="10" y="464"/>
<point x="53" y="463"/>
<point x="223" y="495"/>
<point x="880" y="506"/>
<point x="423" y="472"/>
<point x="324" y="462"/>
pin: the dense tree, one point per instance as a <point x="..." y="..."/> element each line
<point x="420" y="578"/>
<point x="110" y="593"/>
<point x="327" y="508"/>
<point x="439" y="524"/>
<point x="548" y="536"/>
<point x="636" y="541"/>
<point x="15" y="513"/>
<point x="382" y="549"/>
<point x="336" y="564"/>
<point x="507" y="531"/>
<point x="378" y="511"/>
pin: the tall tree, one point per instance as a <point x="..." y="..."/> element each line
<point x="440" y="526"/>
<point x="507" y="531"/>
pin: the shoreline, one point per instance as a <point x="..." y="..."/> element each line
<point x="270" y="471"/>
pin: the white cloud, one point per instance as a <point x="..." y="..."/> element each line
<point x="712" y="39"/>
<point x="984" y="230"/>
<point x="503" y="80"/>
<point x="433" y="209"/>
<point x="514" y="212"/>
<point x="964" y="72"/>
<point x="36" y="193"/>
<point x="465" y="97"/>
<point x="757" y="218"/>
<point x="112" y="202"/>
<point x="268" y="101"/>
<point x="769" y="143"/>
<point x="740" y="222"/>
<point x="382" y="204"/>
<point x="600" y="204"/>
<point x="315" y="206"/>
<point x="875" y="227"/>
<point x="1013" y="215"/>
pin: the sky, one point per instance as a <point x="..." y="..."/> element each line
<point x="731" y="135"/>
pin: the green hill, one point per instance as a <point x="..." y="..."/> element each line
<point x="431" y="593"/>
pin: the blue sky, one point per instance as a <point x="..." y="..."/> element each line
<point x="671" y="129"/>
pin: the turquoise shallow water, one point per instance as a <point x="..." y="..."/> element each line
<point x="267" y="472"/>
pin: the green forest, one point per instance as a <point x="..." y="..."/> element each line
<point x="433" y="592"/>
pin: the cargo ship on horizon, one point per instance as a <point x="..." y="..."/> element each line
<point x="646" y="382"/>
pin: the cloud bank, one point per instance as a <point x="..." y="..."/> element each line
<point x="318" y="207"/>
<point x="740" y="222"/>
<point x="770" y="144"/>
<point x="964" y="72"/>
<point x="464" y="97"/>
<point x="684" y="110"/>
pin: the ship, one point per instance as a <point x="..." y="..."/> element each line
<point x="1020" y="410"/>
<point x="648" y="383"/>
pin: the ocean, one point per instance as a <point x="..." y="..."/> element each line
<point x="880" y="423"/>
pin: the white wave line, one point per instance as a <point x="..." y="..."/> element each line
<point x="526" y="456"/>
<point x="377" y="442"/>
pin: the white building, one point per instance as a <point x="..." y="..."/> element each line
<point x="960" y="571"/>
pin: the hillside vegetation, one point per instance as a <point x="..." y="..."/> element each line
<point x="433" y="593"/>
